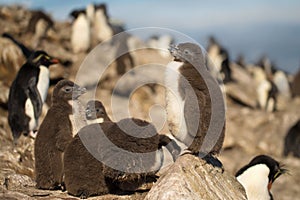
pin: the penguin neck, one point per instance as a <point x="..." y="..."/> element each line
<point x="63" y="105"/>
<point x="255" y="181"/>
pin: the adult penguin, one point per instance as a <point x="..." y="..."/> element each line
<point x="258" y="176"/>
<point x="28" y="93"/>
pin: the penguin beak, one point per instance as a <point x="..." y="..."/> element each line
<point x="172" y="48"/>
<point x="78" y="92"/>
<point x="54" y="61"/>
<point x="270" y="185"/>
<point x="279" y="172"/>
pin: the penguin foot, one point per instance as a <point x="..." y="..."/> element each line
<point x="83" y="194"/>
<point x="33" y="134"/>
<point x="210" y="159"/>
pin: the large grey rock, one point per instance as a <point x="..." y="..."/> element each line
<point x="192" y="178"/>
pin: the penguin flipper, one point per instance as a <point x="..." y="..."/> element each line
<point x="26" y="51"/>
<point x="35" y="97"/>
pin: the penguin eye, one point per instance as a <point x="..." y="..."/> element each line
<point x="68" y="89"/>
<point x="97" y="110"/>
<point x="186" y="51"/>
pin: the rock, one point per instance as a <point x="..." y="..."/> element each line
<point x="191" y="178"/>
<point x="17" y="181"/>
<point x="241" y="94"/>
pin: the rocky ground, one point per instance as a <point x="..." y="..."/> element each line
<point x="249" y="131"/>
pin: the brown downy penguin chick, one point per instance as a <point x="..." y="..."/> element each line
<point x="195" y="105"/>
<point x="83" y="175"/>
<point x="96" y="160"/>
<point x="54" y="135"/>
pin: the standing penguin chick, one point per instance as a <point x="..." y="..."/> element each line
<point x="28" y="93"/>
<point x="95" y="112"/>
<point x="292" y="141"/>
<point x="81" y="33"/>
<point x="190" y="104"/>
<point x="54" y="135"/>
<point x="258" y="176"/>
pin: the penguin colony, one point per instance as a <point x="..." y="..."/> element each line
<point x="62" y="160"/>
<point x="89" y="23"/>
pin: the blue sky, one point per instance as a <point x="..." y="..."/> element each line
<point x="256" y="27"/>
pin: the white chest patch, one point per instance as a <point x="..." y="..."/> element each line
<point x="255" y="181"/>
<point x="77" y="118"/>
<point x="29" y="111"/>
<point x="262" y="93"/>
<point x="175" y="103"/>
<point x="80" y="38"/>
<point x="96" y="121"/>
<point x="102" y="29"/>
<point x="43" y="83"/>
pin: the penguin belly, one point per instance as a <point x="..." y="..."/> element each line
<point x="175" y="103"/>
<point x="43" y="82"/>
<point x="102" y="29"/>
<point x="80" y="38"/>
<point x="29" y="111"/>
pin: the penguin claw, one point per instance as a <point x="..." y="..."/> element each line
<point x="210" y="159"/>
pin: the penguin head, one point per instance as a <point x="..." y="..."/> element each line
<point x="39" y="58"/>
<point x="66" y="90"/>
<point x="186" y="52"/>
<point x="75" y="13"/>
<point x="95" y="110"/>
<point x="258" y="176"/>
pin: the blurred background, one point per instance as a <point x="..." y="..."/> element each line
<point x="251" y="28"/>
<point x="261" y="87"/>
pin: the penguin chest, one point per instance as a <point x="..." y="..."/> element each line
<point x="175" y="102"/>
<point x="29" y="111"/>
<point x="102" y="29"/>
<point x="255" y="181"/>
<point x="77" y="118"/>
<point x="80" y="38"/>
<point x="96" y="121"/>
<point x="43" y="82"/>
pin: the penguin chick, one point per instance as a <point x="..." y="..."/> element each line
<point x="258" y="176"/>
<point x="189" y="102"/>
<point x="54" y="135"/>
<point x="83" y="173"/>
<point x="97" y="160"/>
<point x="95" y="112"/>
<point x="292" y="141"/>
<point x="28" y="93"/>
